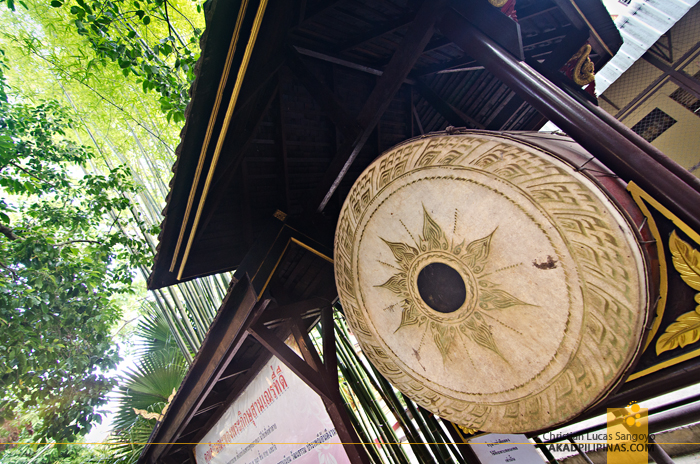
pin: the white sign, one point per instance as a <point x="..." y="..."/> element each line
<point x="277" y="419"/>
<point x="497" y="448"/>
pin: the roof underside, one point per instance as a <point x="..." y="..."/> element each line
<point x="310" y="75"/>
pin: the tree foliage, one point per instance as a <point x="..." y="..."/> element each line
<point x="147" y="387"/>
<point x="64" y="253"/>
<point x="118" y="31"/>
<point x="123" y="68"/>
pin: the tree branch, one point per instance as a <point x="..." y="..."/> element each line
<point x="7" y="232"/>
<point x="10" y="270"/>
<point x="32" y="174"/>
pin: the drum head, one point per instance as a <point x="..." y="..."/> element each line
<point x="490" y="281"/>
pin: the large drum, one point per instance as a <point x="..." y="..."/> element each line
<point x="497" y="279"/>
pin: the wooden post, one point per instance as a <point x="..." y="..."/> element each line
<point x="318" y="377"/>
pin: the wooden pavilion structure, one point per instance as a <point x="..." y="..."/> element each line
<point x="292" y="100"/>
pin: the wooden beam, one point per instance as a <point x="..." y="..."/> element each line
<point x="453" y="115"/>
<point x="308" y="351"/>
<point x="336" y="406"/>
<point x="680" y="78"/>
<point x="330" y="355"/>
<point x="375" y="32"/>
<point x="536" y="9"/>
<point x="229" y="327"/>
<point x="247" y="213"/>
<point x="250" y="374"/>
<point x="438" y="67"/>
<point x="283" y="165"/>
<point x="278" y="348"/>
<point x="619" y="154"/>
<point x="491" y="22"/>
<point x="324" y="96"/>
<point x="244" y="127"/>
<point x="298" y="309"/>
<point x="411" y="47"/>
<point x="574" y="40"/>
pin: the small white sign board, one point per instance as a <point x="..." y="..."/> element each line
<point x="499" y="448"/>
<point x="277" y="419"/>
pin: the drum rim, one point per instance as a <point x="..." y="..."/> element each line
<point x="650" y="283"/>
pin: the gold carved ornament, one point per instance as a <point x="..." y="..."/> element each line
<point x="686" y="330"/>
<point x="584" y="71"/>
<point x="470" y="260"/>
<point x="498" y="3"/>
<point x="467" y="430"/>
<point x="154" y="415"/>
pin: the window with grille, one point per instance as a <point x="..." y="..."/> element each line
<point x="687" y="99"/>
<point x="653" y="124"/>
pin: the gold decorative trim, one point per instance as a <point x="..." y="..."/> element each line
<point x="467" y="430"/>
<point x="154" y="415"/>
<point x="584" y="71"/>
<point x="210" y="129"/>
<point x="498" y="4"/>
<point x="686" y="329"/>
<point x="290" y="241"/>
<point x="637" y="194"/>
<point x="316" y="252"/>
<point x="280" y="215"/>
<point x="227" y="121"/>
<point x="664" y="365"/>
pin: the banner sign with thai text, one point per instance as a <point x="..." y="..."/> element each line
<point x="278" y="419"/>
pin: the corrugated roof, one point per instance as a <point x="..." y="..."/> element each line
<point x="641" y="25"/>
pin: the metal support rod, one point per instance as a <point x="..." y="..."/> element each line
<point x="678" y="417"/>
<point x="580" y="451"/>
<point x="657" y="453"/>
<point x="542" y="447"/>
<point x="614" y="150"/>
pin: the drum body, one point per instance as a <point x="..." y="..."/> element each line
<point x="496" y="279"/>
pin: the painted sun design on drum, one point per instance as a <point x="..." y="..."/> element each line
<point x="481" y="296"/>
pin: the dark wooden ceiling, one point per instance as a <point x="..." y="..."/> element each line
<point x="303" y="103"/>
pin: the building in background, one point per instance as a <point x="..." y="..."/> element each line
<point x="653" y="84"/>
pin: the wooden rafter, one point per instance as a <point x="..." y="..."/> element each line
<point x="453" y="115"/>
<point x="377" y="31"/>
<point x="681" y="78"/>
<point x="249" y="375"/>
<point x="309" y="14"/>
<point x="245" y="125"/>
<point x="574" y="40"/>
<point x="228" y="333"/>
<point x="324" y="96"/>
<point x="319" y="376"/>
<point x="419" y="33"/>
<point x="278" y="348"/>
